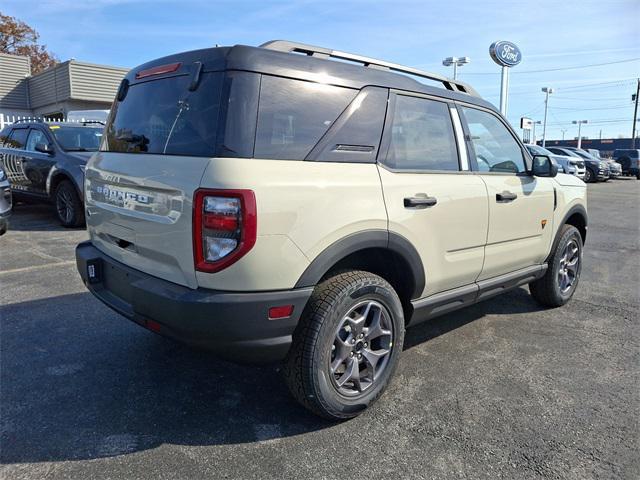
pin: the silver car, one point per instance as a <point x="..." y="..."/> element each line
<point x="5" y="201"/>
<point x="566" y="164"/>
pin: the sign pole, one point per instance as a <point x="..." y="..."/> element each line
<point x="507" y="55"/>
<point x="504" y="90"/>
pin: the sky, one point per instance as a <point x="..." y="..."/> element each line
<point x="587" y="51"/>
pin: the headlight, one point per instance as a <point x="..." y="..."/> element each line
<point x="3" y="176"/>
<point x="603" y="164"/>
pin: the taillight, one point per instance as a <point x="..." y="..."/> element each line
<point x="224" y="227"/>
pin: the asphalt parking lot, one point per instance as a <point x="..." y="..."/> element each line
<point x="504" y="389"/>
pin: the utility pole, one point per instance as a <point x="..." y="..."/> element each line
<point x="547" y="92"/>
<point x="579" y="123"/>
<point x="635" y="117"/>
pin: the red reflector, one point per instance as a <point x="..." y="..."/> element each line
<point x="153" y="326"/>
<point x="220" y="222"/>
<point x="159" y="70"/>
<point x="283" y="311"/>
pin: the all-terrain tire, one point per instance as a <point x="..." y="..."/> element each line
<point x="307" y="366"/>
<point x="548" y="290"/>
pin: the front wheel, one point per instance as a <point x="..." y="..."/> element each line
<point x="347" y="345"/>
<point x="68" y="205"/>
<point x="563" y="273"/>
<point x="588" y="176"/>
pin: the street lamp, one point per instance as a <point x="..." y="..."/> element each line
<point x="456" y="62"/>
<point x="533" y="133"/>
<point x="548" y="91"/>
<point x="579" y="123"/>
<point x="563" y="130"/>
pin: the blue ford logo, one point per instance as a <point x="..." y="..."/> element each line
<point x="505" y="54"/>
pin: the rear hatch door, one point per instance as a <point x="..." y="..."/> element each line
<point x="139" y="188"/>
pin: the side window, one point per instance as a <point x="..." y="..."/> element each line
<point x="36" y="136"/>
<point x="293" y="115"/>
<point x="18" y="138"/>
<point x="496" y="149"/>
<point x="422" y="136"/>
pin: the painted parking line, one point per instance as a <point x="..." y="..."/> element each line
<point x="38" y="267"/>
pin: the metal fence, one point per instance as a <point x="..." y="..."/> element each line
<point x="9" y="119"/>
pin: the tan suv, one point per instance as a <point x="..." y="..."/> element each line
<point x="272" y="203"/>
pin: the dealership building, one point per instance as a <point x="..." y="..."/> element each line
<point x="53" y="93"/>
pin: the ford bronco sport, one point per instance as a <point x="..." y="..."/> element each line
<point x="270" y="203"/>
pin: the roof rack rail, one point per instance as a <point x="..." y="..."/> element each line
<point x="321" y="52"/>
<point x="28" y="120"/>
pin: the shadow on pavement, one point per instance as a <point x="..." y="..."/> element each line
<point x="80" y="382"/>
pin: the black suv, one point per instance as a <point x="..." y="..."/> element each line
<point x="46" y="162"/>
<point x="630" y="161"/>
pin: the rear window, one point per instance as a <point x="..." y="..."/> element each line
<point x="164" y="117"/>
<point x="293" y="115"/>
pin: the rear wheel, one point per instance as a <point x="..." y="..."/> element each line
<point x="346" y="346"/>
<point x="68" y="205"/>
<point x="563" y="273"/>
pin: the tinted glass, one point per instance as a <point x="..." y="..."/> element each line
<point x="18" y="137"/>
<point x="36" y="136"/>
<point x="77" y="139"/>
<point x="422" y="136"/>
<point x="293" y="115"/>
<point x="536" y="150"/>
<point x="496" y="149"/>
<point x="164" y="117"/>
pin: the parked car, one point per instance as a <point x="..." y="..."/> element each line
<point x="46" y="162"/>
<point x="5" y="201"/>
<point x="629" y="159"/>
<point x="566" y="164"/>
<point x="265" y="205"/>
<point x="612" y="170"/>
<point x="594" y="152"/>
<point x="615" y="169"/>
<point x="595" y="170"/>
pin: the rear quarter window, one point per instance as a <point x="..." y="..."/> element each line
<point x="293" y="115"/>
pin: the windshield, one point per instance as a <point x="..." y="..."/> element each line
<point x="164" y="117"/>
<point x="584" y="155"/>
<point x="77" y="139"/>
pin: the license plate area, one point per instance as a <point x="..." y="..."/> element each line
<point x="94" y="270"/>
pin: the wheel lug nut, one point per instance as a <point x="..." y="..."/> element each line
<point x="353" y="340"/>
<point x="359" y="356"/>
<point x="351" y="354"/>
<point x="366" y="344"/>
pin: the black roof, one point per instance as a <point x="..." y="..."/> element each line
<point x="304" y="67"/>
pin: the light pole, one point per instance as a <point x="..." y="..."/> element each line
<point x="563" y="130"/>
<point x="548" y="91"/>
<point x="579" y="123"/>
<point x="456" y="62"/>
<point x="533" y="133"/>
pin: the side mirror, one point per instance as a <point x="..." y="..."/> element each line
<point x="543" y="166"/>
<point x="44" y="148"/>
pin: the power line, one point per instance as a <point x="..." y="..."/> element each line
<point x="574" y="67"/>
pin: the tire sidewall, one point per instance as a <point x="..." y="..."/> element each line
<point x="588" y="176"/>
<point x="329" y="396"/>
<point x="66" y="185"/>
<point x="571" y="234"/>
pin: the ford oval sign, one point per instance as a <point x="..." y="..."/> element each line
<point x="505" y="54"/>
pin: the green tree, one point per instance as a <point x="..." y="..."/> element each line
<point x="18" y="38"/>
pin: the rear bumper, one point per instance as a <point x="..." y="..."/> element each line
<point x="234" y="325"/>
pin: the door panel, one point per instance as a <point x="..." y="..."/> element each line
<point x="37" y="164"/>
<point x="520" y="205"/>
<point x="450" y="235"/>
<point x="520" y="230"/>
<point x="442" y="211"/>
